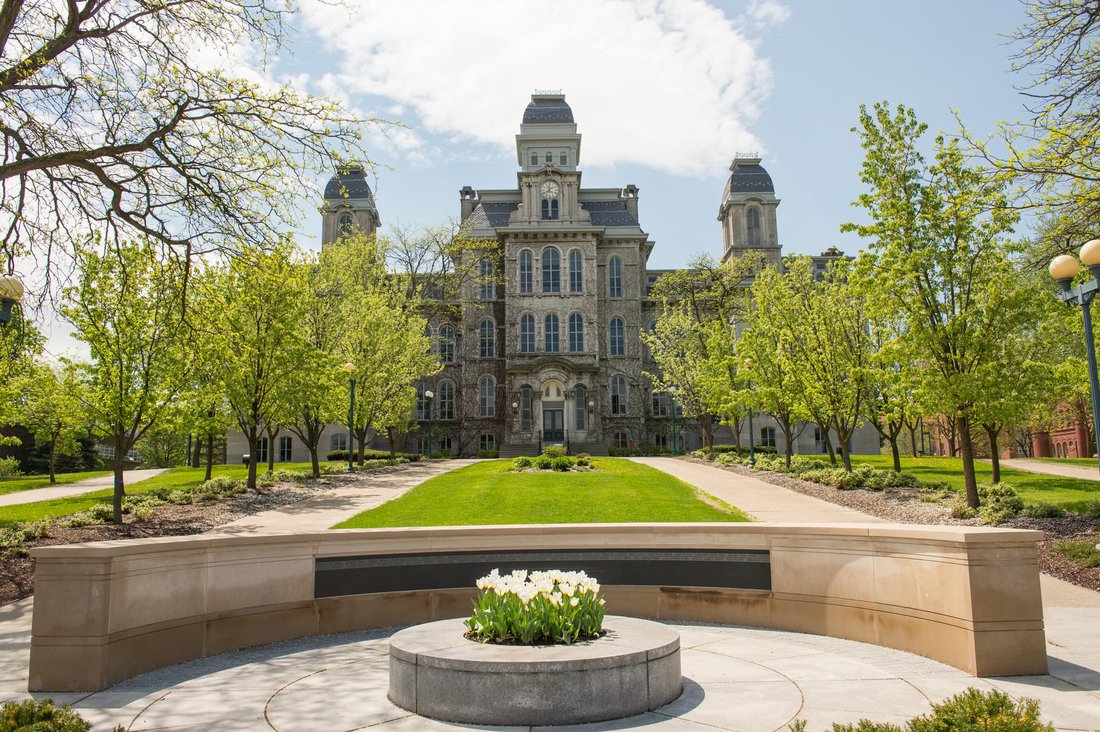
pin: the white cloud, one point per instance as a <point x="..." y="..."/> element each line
<point x="768" y="12"/>
<point x="672" y="84"/>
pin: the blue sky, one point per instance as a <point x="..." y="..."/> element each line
<point x="784" y="78"/>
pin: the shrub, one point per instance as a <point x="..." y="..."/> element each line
<point x="180" y="497"/>
<point x="583" y="462"/>
<point x="142" y="513"/>
<point x="959" y="510"/>
<point x="562" y="463"/>
<point x="41" y="716"/>
<point x="545" y="607"/>
<point x="224" y="485"/>
<point x="488" y="453"/>
<point x="582" y="455"/>
<point x="1091" y="509"/>
<point x="866" y="725"/>
<point x="521" y="462"/>
<point x="978" y="711"/>
<point x="999" y="502"/>
<point x="446" y="454"/>
<point x="727" y="458"/>
<point x="836" y="477"/>
<point x="554" y="451"/>
<point x="1080" y="551"/>
<point x="702" y="454"/>
<point x="9" y="468"/>
<point x="15" y="536"/>
<point x="1042" y="510"/>
<point x="102" y="512"/>
<point x="901" y="480"/>
<point x="342" y="455"/>
<point x="544" y="462"/>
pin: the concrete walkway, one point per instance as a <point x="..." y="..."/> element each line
<point x="1048" y="467"/>
<point x="129" y="477"/>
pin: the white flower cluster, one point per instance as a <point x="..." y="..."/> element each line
<point x="555" y="585"/>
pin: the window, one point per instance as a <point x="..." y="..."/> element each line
<point x="767" y="437"/>
<point x="752" y="220"/>
<point x="534" y="158"/>
<point x="576" y="271"/>
<point x="549" y="158"/>
<point x="346" y="222"/>
<point x="576" y="333"/>
<point x="549" y="209"/>
<point x="580" y="406"/>
<point x="647" y="352"/>
<point x="446" y="397"/>
<point x="486" y="274"/>
<point x="527" y="333"/>
<point x="338" y="441"/>
<point x="618" y="395"/>
<point x="526" y="272"/>
<point x="660" y="441"/>
<point x="620" y="440"/>
<point x="422" y="445"/>
<point x="486" y="399"/>
<point x="286" y="446"/>
<point x="447" y="343"/>
<point x="261" y="451"/>
<point x="422" y="407"/>
<point x="551" y="270"/>
<point x="551" y="334"/>
<point x="614" y="277"/>
<point x="562" y="159"/>
<point x="660" y="404"/>
<point x="487" y="442"/>
<point x="487" y="339"/>
<point x="819" y="441"/>
<point x="445" y="444"/>
<point x="616" y="339"/>
<point x="526" y="408"/>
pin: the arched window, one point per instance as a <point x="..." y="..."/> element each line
<point x="549" y="209"/>
<point x="616" y="338"/>
<point x="551" y="334"/>
<point x="576" y="333"/>
<point x="447" y="343"/>
<point x="526" y="408"/>
<point x="486" y="275"/>
<point x="345" y="224"/>
<point x="526" y="272"/>
<point x="562" y="159"/>
<point x="446" y="398"/>
<point x="551" y="270"/>
<point x="580" y="408"/>
<point x="527" y="333"/>
<point x="534" y="158"/>
<point x="549" y="158"/>
<point x="618" y="395"/>
<point x="576" y="271"/>
<point x="614" y="277"/>
<point x="486" y="397"/>
<point x="752" y="220"/>
<point x="421" y="402"/>
<point x="487" y="339"/>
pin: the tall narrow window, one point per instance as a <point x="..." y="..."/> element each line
<point x="576" y="333"/>
<point x="752" y="220"/>
<point x="618" y="395"/>
<point x="562" y="159"/>
<point x="534" y="158"/>
<point x="526" y="272"/>
<point x="616" y="339"/>
<point x="614" y="277"/>
<point x="551" y="270"/>
<point x="550" y="210"/>
<point x="527" y="333"/>
<point x="338" y="441"/>
<point x="447" y="343"/>
<point x="551" y="334"/>
<point x="767" y="437"/>
<point x="421" y="402"/>
<point x="549" y="158"/>
<point x="487" y="276"/>
<point x="487" y="339"/>
<point x="580" y="406"/>
<point x="660" y="404"/>
<point x="526" y="409"/>
<point x="446" y="397"/>
<point x="576" y="271"/>
<point x="346" y="222"/>
<point x="486" y="397"/>
<point x="261" y="451"/>
<point x="285" y="448"/>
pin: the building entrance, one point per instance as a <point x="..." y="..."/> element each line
<point x="553" y="424"/>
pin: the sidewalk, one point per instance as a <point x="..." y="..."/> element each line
<point x="65" y="490"/>
<point x="1063" y="470"/>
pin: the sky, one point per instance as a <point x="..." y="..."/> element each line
<point x="664" y="93"/>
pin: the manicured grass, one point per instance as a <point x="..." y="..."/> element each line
<point x="30" y="482"/>
<point x="1071" y="494"/>
<point x="1083" y="552"/>
<point x="1081" y="462"/>
<point x="174" y="479"/>
<point x="489" y="493"/>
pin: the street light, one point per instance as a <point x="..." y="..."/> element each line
<point x="349" y="368"/>
<point x="1063" y="269"/>
<point x="672" y="398"/>
<point x="11" y="292"/>
<point x="429" y="395"/>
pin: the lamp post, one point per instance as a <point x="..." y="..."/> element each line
<point x="429" y="395"/>
<point x="349" y="368"/>
<point x="11" y="292"/>
<point x="672" y="399"/>
<point x="752" y="443"/>
<point x="1063" y="269"/>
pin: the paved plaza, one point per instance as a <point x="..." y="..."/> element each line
<point x="735" y="678"/>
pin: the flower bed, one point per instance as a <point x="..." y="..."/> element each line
<point x="536" y="608"/>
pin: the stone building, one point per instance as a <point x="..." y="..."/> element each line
<point x="546" y="346"/>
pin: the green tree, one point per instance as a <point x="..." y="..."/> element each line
<point x="127" y="306"/>
<point x="50" y="405"/>
<point x="940" y="259"/>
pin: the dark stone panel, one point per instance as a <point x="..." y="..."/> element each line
<point x="747" y="569"/>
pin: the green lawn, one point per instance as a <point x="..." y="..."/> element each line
<point x="29" y="482"/>
<point x="1082" y="462"/>
<point x="1069" y="493"/>
<point x="174" y="479"/>
<point x="489" y="493"/>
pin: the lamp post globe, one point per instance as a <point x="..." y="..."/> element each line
<point x="349" y="368"/>
<point x="1090" y="253"/>
<point x="11" y="292"/>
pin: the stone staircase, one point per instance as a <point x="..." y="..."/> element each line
<point x="597" y="449"/>
<point x="516" y="450"/>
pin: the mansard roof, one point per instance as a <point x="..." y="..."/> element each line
<point x="548" y="109"/>
<point x="604" y="213"/>
<point x="347" y="184"/>
<point x="749" y="176"/>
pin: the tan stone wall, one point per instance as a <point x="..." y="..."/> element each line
<point x="965" y="596"/>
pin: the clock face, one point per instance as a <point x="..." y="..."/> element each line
<point x="549" y="189"/>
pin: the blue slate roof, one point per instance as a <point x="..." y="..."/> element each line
<point x="348" y="184"/>
<point x="491" y="215"/>
<point x="546" y="111"/>
<point x="750" y="178"/>
<point x="609" y="213"/>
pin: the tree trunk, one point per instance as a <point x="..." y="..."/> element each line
<point x="391" y="437"/>
<point x="995" y="455"/>
<point x="314" y="461"/>
<point x="788" y="448"/>
<point x="707" y="425"/>
<point x="361" y="437"/>
<point x="209" y="455"/>
<point x="912" y="439"/>
<point x="271" y="435"/>
<point x="844" y="438"/>
<point x="120" y="487"/>
<point x="826" y="435"/>
<point x="253" y="443"/>
<point x="894" y="453"/>
<point x="968" y="462"/>
<point x="53" y="458"/>
<point x="737" y="434"/>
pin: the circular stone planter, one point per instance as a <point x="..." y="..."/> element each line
<point x="437" y="673"/>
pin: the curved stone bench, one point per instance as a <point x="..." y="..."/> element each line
<point x="436" y="672"/>
<point x="966" y="596"/>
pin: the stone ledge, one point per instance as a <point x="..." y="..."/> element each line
<point x="437" y="673"/>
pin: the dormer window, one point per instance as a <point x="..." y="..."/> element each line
<point x="562" y="159"/>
